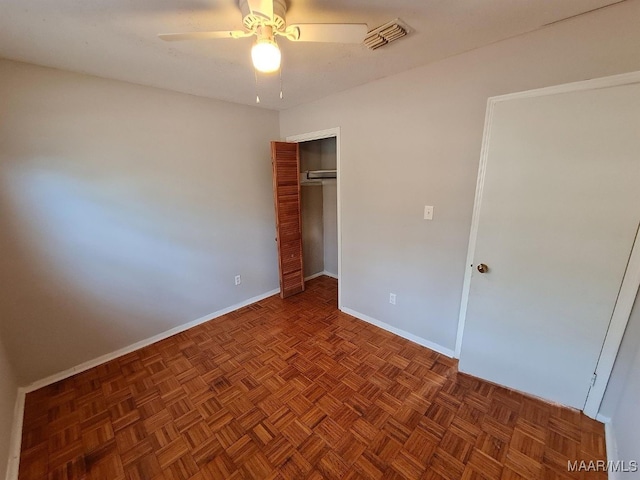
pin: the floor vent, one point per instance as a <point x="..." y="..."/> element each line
<point x="385" y="34"/>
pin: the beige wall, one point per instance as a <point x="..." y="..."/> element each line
<point x="626" y="420"/>
<point x="124" y="211"/>
<point x="414" y="139"/>
<point x="622" y="370"/>
<point x="8" y="391"/>
<point x="622" y="397"/>
<point x="329" y="206"/>
<point x="312" y="229"/>
<point x="330" y="226"/>
<point x="311" y="208"/>
<point x="319" y="209"/>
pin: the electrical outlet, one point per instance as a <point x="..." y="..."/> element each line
<point x="392" y="298"/>
<point x="238" y="279"/>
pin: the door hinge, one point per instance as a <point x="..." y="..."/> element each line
<point x="593" y="379"/>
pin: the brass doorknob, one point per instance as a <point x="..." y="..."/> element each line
<point x="482" y="268"/>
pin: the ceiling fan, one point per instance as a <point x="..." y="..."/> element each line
<point x="266" y="19"/>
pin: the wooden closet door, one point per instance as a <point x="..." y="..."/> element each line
<point x="285" y="159"/>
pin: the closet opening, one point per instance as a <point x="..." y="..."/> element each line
<point x="319" y="207"/>
<point x="306" y="174"/>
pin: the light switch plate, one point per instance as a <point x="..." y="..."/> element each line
<point x="428" y="212"/>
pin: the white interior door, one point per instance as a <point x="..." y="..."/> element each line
<point x="558" y="215"/>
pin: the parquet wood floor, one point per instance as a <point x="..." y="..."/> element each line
<point x="294" y="389"/>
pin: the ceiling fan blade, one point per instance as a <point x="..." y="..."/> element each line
<point x="173" y="37"/>
<point x="330" y="32"/>
<point x="261" y="7"/>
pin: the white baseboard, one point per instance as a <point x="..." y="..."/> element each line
<point x="315" y="275"/>
<point x="13" y="464"/>
<point x="56" y="377"/>
<point x="401" y="333"/>
<point x="320" y="274"/>
<point x="16" y="431"/>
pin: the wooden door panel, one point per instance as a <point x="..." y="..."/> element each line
<point x="287" y="176"/>
<point x="290" y="263"/>
<point x="291" y="284"/>
<point x="286" y="192"/>
<point x="288" y="211"/>
<point x="289" y="233"/>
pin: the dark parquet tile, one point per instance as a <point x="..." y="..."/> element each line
<point x="294" y="389"/>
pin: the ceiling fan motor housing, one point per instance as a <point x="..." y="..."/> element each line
<point x="254" y="20"/>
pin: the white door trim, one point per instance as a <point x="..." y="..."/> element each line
<point x="627" y="293"/>
<point x="613" y="339"/>
<point x="473" y="236"/>
<point x="319" y="135"/>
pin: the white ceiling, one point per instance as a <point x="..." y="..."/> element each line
<point x="117" y="39"/>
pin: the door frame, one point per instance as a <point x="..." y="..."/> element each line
<point x="319" y="135"/>
<point x="630" y="282"/>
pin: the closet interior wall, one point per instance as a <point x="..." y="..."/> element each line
<point x="319" y="209"/>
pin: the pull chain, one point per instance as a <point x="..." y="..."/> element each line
<point x="255" y="73"/>
<point x="257" y="96"/>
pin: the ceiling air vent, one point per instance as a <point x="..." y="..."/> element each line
<point x="387" y="33"/>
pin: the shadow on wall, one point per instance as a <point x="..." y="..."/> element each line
<point x="120" y="221"/>
<point x="95" y="264"/>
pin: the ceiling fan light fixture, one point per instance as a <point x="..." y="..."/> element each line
<point x="266" y="55"/>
